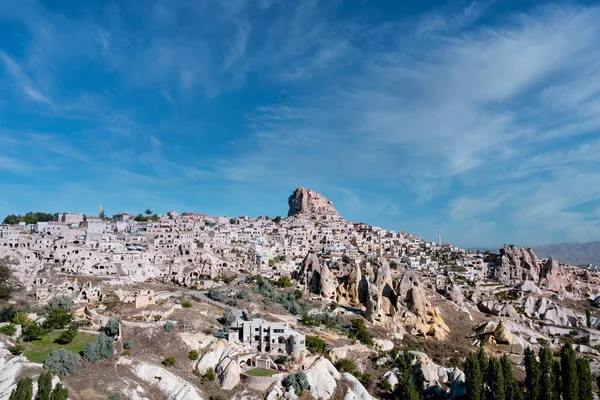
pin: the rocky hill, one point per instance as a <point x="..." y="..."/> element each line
<point x="307" y="203"/>
<point x="572" y="253"/>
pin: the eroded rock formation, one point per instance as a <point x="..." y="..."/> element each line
<point x="306" y="202"/>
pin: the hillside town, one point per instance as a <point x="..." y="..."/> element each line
<point x="195" y="306"/>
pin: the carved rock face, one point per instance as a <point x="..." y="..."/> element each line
<point x="306" y="202"/>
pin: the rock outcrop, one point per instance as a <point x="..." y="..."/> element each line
<point x="517" y="265"/>
<point x="402" y="305"/>
<point x="349" y="289"/>
<point x="305" y="202"/>
<point x="552" y="277"/>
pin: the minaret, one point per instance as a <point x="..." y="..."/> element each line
<point x="380" y="249"/>
<point x="439" y="240"/>
<point x="101" y="212"/>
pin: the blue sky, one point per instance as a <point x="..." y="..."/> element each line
<point x="478" y="121"/>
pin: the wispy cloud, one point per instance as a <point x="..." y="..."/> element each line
<point x="22" y="80"/>
<point x="480" y="123"/>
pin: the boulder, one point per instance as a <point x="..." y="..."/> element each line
<point x="529" y="287"/>
<point x="231" y="376"/>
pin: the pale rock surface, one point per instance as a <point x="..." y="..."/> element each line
<point x="231" y="375"/>
<point x="356" y="390"/>
<point x="530" y="287"/>
<point x="322" y="378"/>
<point x="435" y="377"/>
<point x="175" y="387"/>
<point x="391" y="378"/>
<point x="327" y="284"/>
<point x="552" y="277"/>
<point x="307" y="202"/>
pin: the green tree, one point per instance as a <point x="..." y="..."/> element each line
<point x="193" y="355"/>
<point x="32" y="332"/>
<point x="277" y="219"/>
<point x="148" y="211"/>
<point x="228" y="318"/>
<point x="58" y="318"/>
<point x="585" y="379"/>
<point x="23" y="391"/>
<point x="512" y="391"/>
<point x="473" y="378"/>
<point x="67" y="336"/>
<point x="495" y="381"/>
<point x="44" y="386"/>
<point x="532" y="375"/>
<point x="568" y="367"/>
<point x="112" y="327"/>
<point x="557" y="375"/>
<point x="483" y="362"/>
<point x="406" y="388"/>
<point x="284" y="282"/>
<point x="59" y="393"/>
<point x="588" y="317"/>
<point x="60" y="303"/>
<point x="547" y="375"/>
<point x="12" y="219"/>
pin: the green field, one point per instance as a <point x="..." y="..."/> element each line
<point x="38" y="350"/>
<point x="261" y="372"/>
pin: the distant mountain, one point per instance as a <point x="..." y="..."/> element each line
<point x="571" y="253"/>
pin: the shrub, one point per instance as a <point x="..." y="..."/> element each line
<point x="23" y="391"/>
<point x="61" y="361"/>
<point x="316" y="345"/>
<point x="360" y="332"/>
<point x="228" y="318"/>
<point x="67" y="336"/>
<point x="243" y="295"/>
<point x="284" y="282"/>
<point x="100" y="349"/>
<point x="169" y="361"/>
<point x="215" y="294"/>
<point x="210" y="375"/>
<point x="128" y="345"/>
<point x="346" y="365"/>
<point x="8" y="330"/>
<point x="290" y="303"/>
<point x="33" y="332"/>
<point x="58" y="318"/>
<point x="60" y="303"/>
<point x="17" y="349"/>
<point x="7" y="314"/>
<point x="21" y="318"/>
<point x="112" y="327"/>
<point x="186" y="303"/>
<point x="117" y="397"/>
<point x="296" y="381"/>
<point x="193" y="355"/>
<point x="264" y="287"/>
<point x="168" y="327"/>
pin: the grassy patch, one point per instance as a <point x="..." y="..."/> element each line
<point x="261" y="372"/>
<point x="38" y="350"/>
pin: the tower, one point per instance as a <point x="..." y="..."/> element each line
<point x="101" y="212"/>
<point x="439" y="240"/>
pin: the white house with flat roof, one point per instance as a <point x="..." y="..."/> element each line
<point x="267" y="337"/>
